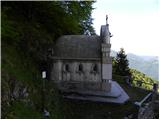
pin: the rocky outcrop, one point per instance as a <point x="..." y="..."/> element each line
<point x="12" y="90"/>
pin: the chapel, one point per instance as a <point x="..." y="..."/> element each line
<point x="82" y="68"/>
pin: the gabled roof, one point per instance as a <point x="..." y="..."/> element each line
<point x="78" y="46"/>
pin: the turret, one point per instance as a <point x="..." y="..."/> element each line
<point x="105" y="34"/>
<point x="106" y="59"/>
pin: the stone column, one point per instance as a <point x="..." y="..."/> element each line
<point x="59" y="69"/>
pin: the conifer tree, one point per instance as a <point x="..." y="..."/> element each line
<point x="122" y="64"/>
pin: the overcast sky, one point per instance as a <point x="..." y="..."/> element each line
<point x="133" y="23"/>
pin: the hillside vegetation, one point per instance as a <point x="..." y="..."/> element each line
<point x="142" y="80"/>
<point x="148" y="65"/>
<point x="29" y="30"/>
<point x="122" y="72"/>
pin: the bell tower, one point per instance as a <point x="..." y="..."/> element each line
<point x="106" y="59"/>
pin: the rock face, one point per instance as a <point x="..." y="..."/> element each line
<point x="11" y="91"/>
<point x="83" y="63"/>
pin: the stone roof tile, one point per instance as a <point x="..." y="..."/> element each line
<point x="78" y="46"/>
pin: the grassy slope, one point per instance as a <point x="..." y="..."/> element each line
<point x="17" y="72"/>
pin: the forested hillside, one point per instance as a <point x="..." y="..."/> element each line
<point x="144" y="80"/>
<point x="29" y="30"/>
<point x="149" y="65"/>
<point x="122" y="72"/>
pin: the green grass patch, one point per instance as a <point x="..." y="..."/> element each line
<point x="20" y="110"/>
<point x="76" y="109"/>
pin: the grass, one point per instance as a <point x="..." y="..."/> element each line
<point x="97" y="110"/>
<point x="20" y="110"/>
<point x="135" y="94"/>
<point x="74" y="109"/>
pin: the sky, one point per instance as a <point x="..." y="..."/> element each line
<point x="133" y="23"/>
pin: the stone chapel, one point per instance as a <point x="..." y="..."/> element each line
<point x="82" y="68"/>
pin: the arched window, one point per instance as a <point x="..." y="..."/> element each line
<point x="80" y="68"/>
<point x="95" y="68"/>
<point x="66" y="67"/>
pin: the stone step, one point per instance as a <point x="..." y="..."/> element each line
<point x="122" y="98"/>
<point x="114" y="92"/>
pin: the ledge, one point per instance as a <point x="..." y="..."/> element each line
<point x="60" y="58"/>
<point x="116" y="95"/>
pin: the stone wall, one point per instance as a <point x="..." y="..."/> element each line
<point x="69" y="70"/>
<point x="75" y="86"/>
<point x="80" y="74"/>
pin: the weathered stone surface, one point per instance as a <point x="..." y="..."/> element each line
<point x="114" y="92"/>
<point x="107" y="60"/>
<point x="105" y="34"/>
<point x="74" y="86"/>
<point x="116" y="95"/>
<point x="106" y="85"/>
<point x="73" y="74"/>
<point x="78" y="46"/>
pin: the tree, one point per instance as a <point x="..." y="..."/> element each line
<point x="36" y="25"/>
<point x="122" y="64"/>
<point x="33" y="27"/>
<point x="29" y="31"/>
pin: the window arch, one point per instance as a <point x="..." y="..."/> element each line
<point x="95" y="68"/>
<point x="80" y="68"/>
<point x="66" y="67"/>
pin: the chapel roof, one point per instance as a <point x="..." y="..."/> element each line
<point x="78" y="46"/>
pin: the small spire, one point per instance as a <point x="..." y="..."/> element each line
<point x="106" y="19"/>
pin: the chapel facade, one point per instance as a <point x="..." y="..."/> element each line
<point x="83" y="59"/>
<point x="82" y="64"/>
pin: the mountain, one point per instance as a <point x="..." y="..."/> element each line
<point x="149" y="65"/>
